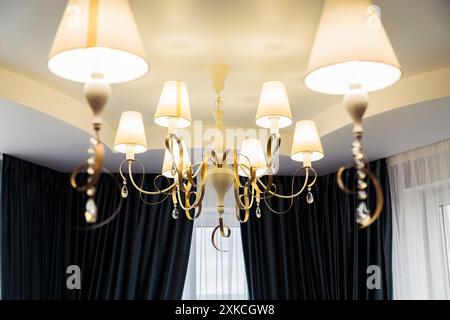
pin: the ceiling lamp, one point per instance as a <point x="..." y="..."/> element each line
<point x="249" y="172"/>
<point x="351" y="56"/>
<point x="98" y="43"/>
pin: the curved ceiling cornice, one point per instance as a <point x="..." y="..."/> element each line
<point x="408" y="91"/>
<point x="30" y="92"/>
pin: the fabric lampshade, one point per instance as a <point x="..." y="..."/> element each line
<point x="131" y="133"/>
<point x="273" y="103"/>
<point x="306" y="142"/>
<point x="174" y="105"/>
<point x="351" y="48"/>
<point x="98" y="36"/>
<point x="252" y="154"/>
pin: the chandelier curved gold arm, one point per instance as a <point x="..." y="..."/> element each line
<point x="237" y="185"/>
<point x="97" y="150"/>
<point x="93" y="168"/>
<point x="225" y="232"/>
<point x="178" y="165"/>
<point x="124" y="190"/>
<point x="187" y="206"/>
<point x="291" y="196"/>
<point x="378" y="192"/>
<point x="165" y="191"/>
<point x="130" y="175"/>
<point x="273" y="139"/>
<point x="112" y="216"/>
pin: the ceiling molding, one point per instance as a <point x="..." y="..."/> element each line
<point x="408" y="91"/>
<point x="33" y="94"/>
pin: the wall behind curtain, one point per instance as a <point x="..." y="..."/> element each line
<point x="143" y="254"/>
<point x="315" y="251"/>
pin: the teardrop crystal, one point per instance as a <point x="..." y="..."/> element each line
<point x="175" y="213"/>
<point x="362" y="185"/>
<point x="90" y="192"/>
<point x="124" y="192"/>
<point x="93" y="140"/>
<point x="91" y="211"/>
<point x="362" y="213"/>
<point x="362" y="195"/>
<point x="309" y="197"/>
<point x="359" y="163"/>
<point x="258" y="212"/>
<point x="361" y="174"/>
<point x="356" y="144"/>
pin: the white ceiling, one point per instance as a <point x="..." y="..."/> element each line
<point x="261" y="39"/>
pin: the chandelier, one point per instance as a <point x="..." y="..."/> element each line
<point x="97" y="43"/>
<point x="220" y="168"/>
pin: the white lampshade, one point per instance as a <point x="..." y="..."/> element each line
<point x="252" y="154"/>
<point x="130" y="135"/>
<point x="168" y="163"/>
<point x="174" y="105"/>
<point x="98" y="36"/>
<point x="273" y="103"/>
<point x="351" y="48"/>
<point x="306" y="142"/>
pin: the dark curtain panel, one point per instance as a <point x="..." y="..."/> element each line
<point x="315" y="251"/>
<point x="142" y="254"/>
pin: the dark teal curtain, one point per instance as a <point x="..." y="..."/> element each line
<point x="1" y="164"/>
<point x="142" y="254"/>
<point x="315" y="252"/>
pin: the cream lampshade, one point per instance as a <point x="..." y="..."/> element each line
<point x="98" y="36"/>
<point x="306" y="145"/>
<point x="173" y="107"/>
<point x="273" y="106"/>
<point x="168" y="162"/>
<point x="130" y="137"/>
<point x="252" y="154"/>
<point x="351" y="48"/>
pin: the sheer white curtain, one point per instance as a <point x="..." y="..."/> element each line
<point x="420" y="193"/>
<point x="214" y="275"/>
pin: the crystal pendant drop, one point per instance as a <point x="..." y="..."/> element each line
<point x="124" y="192"/>
<point x="91" y="211"/>
<point x="359" y="163"/>
<point x="362" y="185"/>
<point x="175" y="213"/>
<point x="309" y="197"/>
<point x="258" y="212"/>
<point x="90" y="192"/>
<point x="93" y="141"/>
<point x="362" y="195"/>
<point x="361" y="174"/>
<point x="362" y="213"/>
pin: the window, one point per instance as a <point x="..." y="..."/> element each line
<point x="215" y="275"/>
